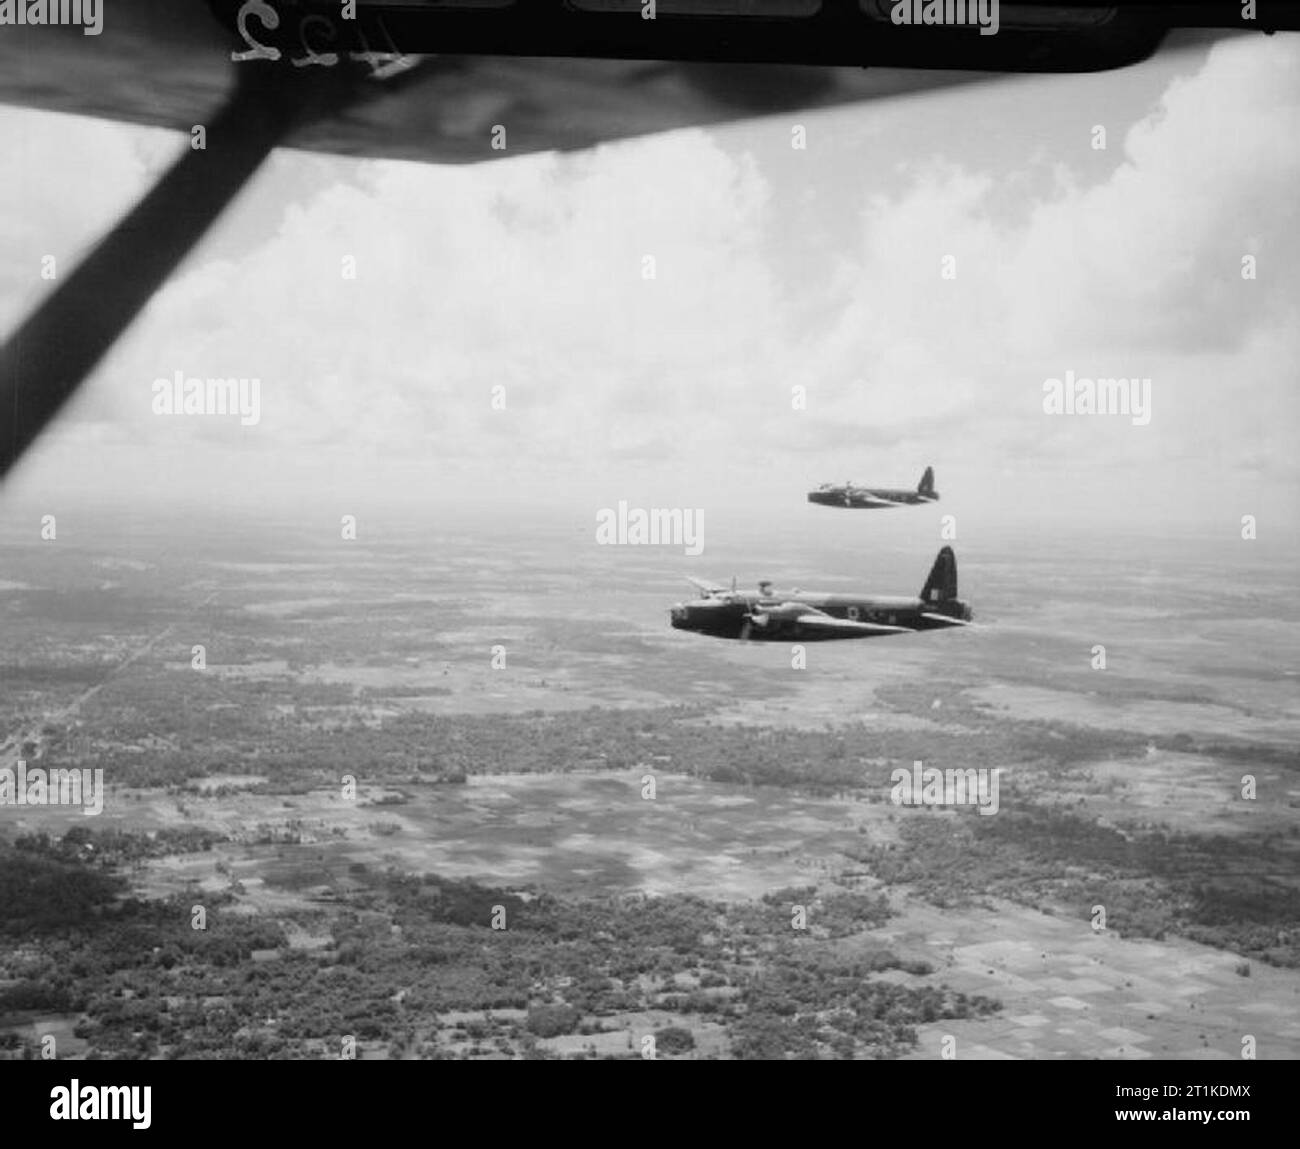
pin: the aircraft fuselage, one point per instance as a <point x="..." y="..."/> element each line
<point x="866" y="498"/>
<point x="775" y="618"/>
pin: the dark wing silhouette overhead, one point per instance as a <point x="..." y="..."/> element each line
<point x="563" y="74"/>
<point x="166" y="63"/>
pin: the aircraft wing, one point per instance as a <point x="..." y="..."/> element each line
<point x="705" y="587"/>
<point x="875" y="501"/>
<point x="558" y="76"/>
<point x="167" y="63"/>
<point x="829" y="625"/>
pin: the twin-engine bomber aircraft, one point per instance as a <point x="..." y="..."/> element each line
<point x="870" y="498"/>
<point x="806" y="617"/>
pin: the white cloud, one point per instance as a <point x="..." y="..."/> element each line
<point x="529" y="273"/>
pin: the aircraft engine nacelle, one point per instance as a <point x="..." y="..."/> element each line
<point x="785" y="612"/>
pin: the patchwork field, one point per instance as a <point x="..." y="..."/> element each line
<point x="375" y="753"/>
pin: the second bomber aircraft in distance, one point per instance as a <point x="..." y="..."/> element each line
<point x="869" y="498"/>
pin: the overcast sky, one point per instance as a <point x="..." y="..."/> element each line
<point x="774" y="267"/>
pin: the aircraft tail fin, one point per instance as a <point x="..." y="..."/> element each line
<point x="942" y="583"/>
<point x="926" y="485"/>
